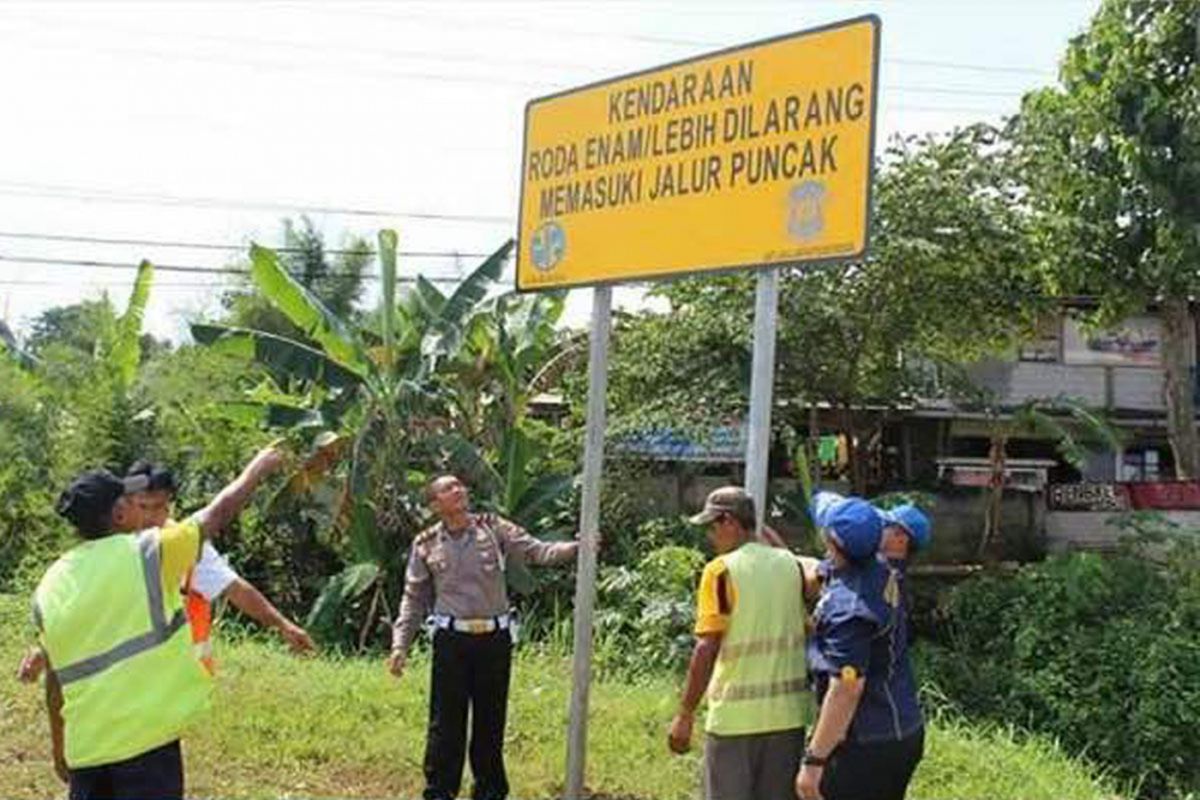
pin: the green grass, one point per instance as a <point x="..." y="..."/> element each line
<point x="325" y="727"/>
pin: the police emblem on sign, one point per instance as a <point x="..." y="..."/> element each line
<point x="806" y="210"/>
<point x="547" y="246"/>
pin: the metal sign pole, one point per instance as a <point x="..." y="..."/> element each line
<point x="762" y="380"/>
<point x="589" y="526"/>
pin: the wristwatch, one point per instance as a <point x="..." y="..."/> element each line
<point x="811" y="759"/>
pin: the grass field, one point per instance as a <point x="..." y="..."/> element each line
<point x="325" y="727"/>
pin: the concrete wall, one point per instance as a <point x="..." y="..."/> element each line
<point x="1126" y="388"/>
<point x="1095" y="530"/>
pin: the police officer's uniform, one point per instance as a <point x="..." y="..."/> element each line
<point x="460" y="577"/>
<point x="860" y="626"/>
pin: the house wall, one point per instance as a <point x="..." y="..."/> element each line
<point x="1124" y="388"/>
<point x="1097" y="530"/>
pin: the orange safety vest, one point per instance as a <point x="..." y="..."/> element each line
<point x="199" y="615"/>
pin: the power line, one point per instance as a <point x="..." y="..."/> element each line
<point x="483" y="80"/>
<point x="173" y="284"/>
<point x="400" y="54"/>
<point x="80" y="239"/>
<point x="184" y="268"/>
<point x="685" y="42"/>
<point x="27" y="189"/>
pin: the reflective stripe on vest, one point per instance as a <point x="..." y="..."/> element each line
<point x="160" y="630"/>
<point x="113" y="633"/>
<point x="760" y="681"/>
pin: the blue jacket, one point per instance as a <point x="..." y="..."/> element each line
<point x="860" y="622"/>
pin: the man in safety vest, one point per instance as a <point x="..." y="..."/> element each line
<point x="122" y="684"/>
<point x="749" y="656"/>
<point x="210" y="579"/>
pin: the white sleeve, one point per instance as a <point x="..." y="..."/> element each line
<point x="212" y="574"/>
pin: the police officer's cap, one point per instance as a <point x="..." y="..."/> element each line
<point x="853" y="524"/>
<point x="914" y="521"/>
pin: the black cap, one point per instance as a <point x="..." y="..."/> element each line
<point x="161" y="479"/>
<point x="88" y="502"/>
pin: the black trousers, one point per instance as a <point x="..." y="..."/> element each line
<point x="877" y="771"/>
<point x="154" y="775"/>
<point x="469" y="671"/>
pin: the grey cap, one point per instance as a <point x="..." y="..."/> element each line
<point x="732" y="500"/>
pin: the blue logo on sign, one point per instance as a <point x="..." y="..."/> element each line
<point x="548" y="246"/>
<point x="806" y="210"/>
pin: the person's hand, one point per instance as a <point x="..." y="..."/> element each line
<point x="808" y="782"/>
<point x="268" y="460"/>
<point x="297" y="638"/>
<point x="31" y="666"/>
<point x="679" y="736"/>
<point x="597" y="547"/>
<point x="396" y="662"/>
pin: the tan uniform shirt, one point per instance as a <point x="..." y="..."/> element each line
<point x="462" y="575"/>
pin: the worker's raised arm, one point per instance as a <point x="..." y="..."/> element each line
<point x="230" y="501"/>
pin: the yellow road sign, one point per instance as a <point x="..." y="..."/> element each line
<point x="753" y="156"/>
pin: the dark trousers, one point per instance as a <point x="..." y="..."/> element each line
<point x="876" y="771"/>
<point x="755" y="766"/>
<point x="154" y="775"/>
<point x="469" y="671"/>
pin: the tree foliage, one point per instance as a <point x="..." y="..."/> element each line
<point x="337" y="280"/>
<point x="947" y="280"/>
<point x="1111" y="157"/>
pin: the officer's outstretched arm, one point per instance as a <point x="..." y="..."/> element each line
<point x="230" y="501"/>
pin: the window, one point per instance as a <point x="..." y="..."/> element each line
<point x="1141" y="465"/>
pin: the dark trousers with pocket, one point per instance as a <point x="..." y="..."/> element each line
<point x="470" y="671"/>
<point x="875" y="771"/>
<point x="154" y="775"/>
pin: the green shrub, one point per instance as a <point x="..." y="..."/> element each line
<point x="1101" y="653"/>
<point x="645" y="614"/>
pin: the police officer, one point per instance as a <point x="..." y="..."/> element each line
<point x="456" y="570"/>
<point x="122" y="683"/>
<point x="869" y="734"/>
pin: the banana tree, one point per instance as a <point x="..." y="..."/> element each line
<point x="1076" y="431"/>
<point x="9" y="343"/>
<point x="376" y="392"/>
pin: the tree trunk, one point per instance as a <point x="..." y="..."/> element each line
<point x="1179" y="387"/>
<point x="850" y="430"/>
<point x="991" y="544"/>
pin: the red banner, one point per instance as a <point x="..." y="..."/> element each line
<point x="1165" y="495"/>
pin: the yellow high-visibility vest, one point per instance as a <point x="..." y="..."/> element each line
<point x="760" y="681"/>
<point x="118" y="643"/>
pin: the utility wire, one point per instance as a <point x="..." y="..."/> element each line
<point x="79" y="239"/>
<point x="489" y="24"/>
<point x="184" y="268"/>
<point x="23" y="188"/>
<point x="392" y="54"/>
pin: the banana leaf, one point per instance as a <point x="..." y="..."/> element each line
<point x="474" y="288"/>
<point x="387" y="268"/>
<point x="306" y="311"/>
<point x="329" y="610"/>
<point x="279" y="354"/>
<point x="126" y="351"/>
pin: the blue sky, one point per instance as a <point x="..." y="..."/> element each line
<point x="206" y="123"/>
